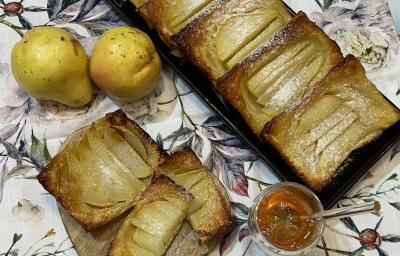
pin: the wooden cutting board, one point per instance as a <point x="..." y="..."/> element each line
<point x="97" y="243"/>
<point x="90" y="243"/>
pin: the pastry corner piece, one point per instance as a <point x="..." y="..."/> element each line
<point x="102" y="169"/>
<point x="228" y="32"/>
<point x="344" y="113"/>
<point x="280" y="72"/>
<point x="209" y="212"/>
<point x="157" y="217"/>
<point x="169" y="17"/>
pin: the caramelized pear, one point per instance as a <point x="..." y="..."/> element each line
<point x="124" y="153"/>
<point x="109" y="175"/>
<point x="179" y="12"/>
<point x="239" y="30"/>
<point x="133" y="141"/>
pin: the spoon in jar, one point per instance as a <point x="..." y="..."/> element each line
<point x="370" y="207"/>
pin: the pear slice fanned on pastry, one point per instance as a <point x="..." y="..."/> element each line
<point x="343" y="113"/>
<point x="229" y="31"/>
<point x="209" y="212"/>
<point x="97" y="175"/>
<point x="152" y="225"/>
<point x="113" y="147"/>
<point x="280" y="72"/>
<point x="107" y="182"/>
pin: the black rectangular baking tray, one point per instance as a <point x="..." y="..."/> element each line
<point x="351" y="171"/>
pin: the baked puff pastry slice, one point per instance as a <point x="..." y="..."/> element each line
<point x="229" y="31"/>
<point x="169" y="17"/>
<point x="102" y="169"/>
<point x="152" y="225"/>
<point x="209" y="212"/>
<point x="344" y="113"/>
<point x="280" y="72"/>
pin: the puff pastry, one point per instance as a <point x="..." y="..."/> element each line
<point x="344" y="113"/>
<point x="209" y="212"/>
<point x="229" y="31"/>
<point x="156" y="219"/>
<point x="280" y="72"/>
<point x="98" y="174"/>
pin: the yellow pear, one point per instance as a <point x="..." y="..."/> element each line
<point x="50" y="64"/>
<point x="125" y="64"/>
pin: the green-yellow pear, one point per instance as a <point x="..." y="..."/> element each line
<point x="50" y="64"/>
<point x="125" y="64"/>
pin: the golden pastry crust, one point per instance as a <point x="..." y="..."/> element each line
<point x="343" y="113"/>
<point x="280" y="72"/>
<point x="169" y="17"/>
<point x="159" y="190"/>
<point x="215" y="218"/>
<point x="68" y="175"/>
<point x="228" y="32"/>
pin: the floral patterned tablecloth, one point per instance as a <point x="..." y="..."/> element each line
<point x="31" y="132"/>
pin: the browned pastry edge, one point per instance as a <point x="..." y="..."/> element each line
<point x="188" y="158"/>
<point x="350" y="62"/>
<point x="51" y="173"/>
<point x="229" y="84"/>
<point x="192" y="30"/>
<point x="191" y="160"/>
<point x="161" y="180"/>
<point x="152" y="11"/>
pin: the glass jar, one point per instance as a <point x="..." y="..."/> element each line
<point x="301" y="193"/>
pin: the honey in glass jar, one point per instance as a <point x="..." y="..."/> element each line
<point x="280" y="220"/>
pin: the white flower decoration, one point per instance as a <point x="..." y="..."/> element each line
<point x="369" y="47"/>
<point x="27" y="212"/>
